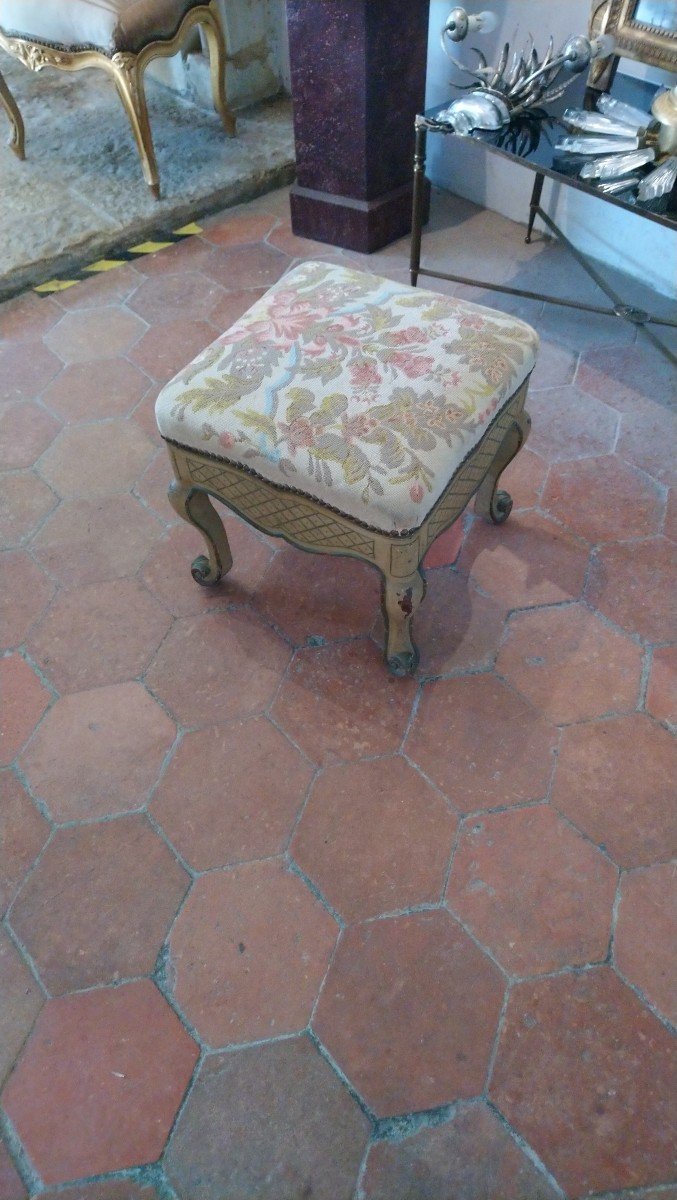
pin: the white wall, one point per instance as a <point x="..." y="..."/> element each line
<point x="258" y="56"/>
<point x="618" y="238"/>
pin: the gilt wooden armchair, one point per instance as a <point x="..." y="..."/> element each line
<point x="118" y="36"/>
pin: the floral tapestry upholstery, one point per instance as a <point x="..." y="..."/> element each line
<point x="361" y="392"/>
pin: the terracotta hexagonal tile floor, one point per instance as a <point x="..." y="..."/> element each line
<point x="375" y="837"/>
<point x="98" y="906"/>
<point x="615" y="781"/>
<point x="156" y="732"/>
<point x="99" y="634"/>
<point x="23" y="833"/>
<point x="23" y="700"/>
<point x="308" y="596"/>
<point x="481" y="744"/>
<point x="98" y="752"/>
<point x="270" y="1122"/>
<point x="227" y="664"/>
<point x="570" y="665"/>
<point x="587" y="1075"/>
<point x="409" y="1011"/>
<point x="231" y="794"/>
<point x="338" y="704"/>
<point x="248" y="953"/>
<point x="533" y="890"/>
<point x="532" y="561"/>
<point x="649" y="901"/>
<point x="472" y="1157"/>
<point x="629" y="582"/>
<point x="82" y="1099"/>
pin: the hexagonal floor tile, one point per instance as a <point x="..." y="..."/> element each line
<point x="231" y="794"/>
<point x="624" y="375"/>
<point x="82" y="1099"/>
<point x="100" y="634"/>
<point x="26" y="430"/>
<point x="253" y="266"/>
<point x="98" y="752"/>
<point x="271" y="1122"/>
<point x="471" y="1157"/>
<point x="339" y="703"/>
<point x="101" y="288"/>
<point x="28" y="316"/>
<point x="409" y="1011"/>
<point x="94" y="333"/>
<point x="237" y="230"/>
<point x="661" y="693"/>
<point x="532" y="890"/>
<point x="580" y="1063"/>
<point x="23" y="833"/>
<point x="169" y="347"/>
<point x="232" y="306"/>
<point x="169" y="298"/>
<point x="167" y="572"/>
<point x="96" y="459"/>
<point x="481" y="744"/>
<point x="319" y="597"/>
<point x="375" y="837"/>
<point x="524" y="477"/>
<point x="23" y="700"/>
<point x="89" y="541"/>
<point x="248" y="953"/>
<point x="570" y="665"/>
<point x="646" y="934"/>
<point x="25" y="369"/>
<point x="647" y="439"/>
<point x="457" y="628"/>
<point x="26" y="592"/>
<point x="98" y="905"/>
<point x="529" y="561"/>
<point x="74" y="397"/>
<point x="603" y="499"/>
<point x="568" y="424"/>
<point x="21" y="999"/>
<point x="630" y="582"/>
<point x="109" y="1189"/>
<point x="25" y="501"/>
<point x="220" y="664"/>
<point x="615" y="780"/>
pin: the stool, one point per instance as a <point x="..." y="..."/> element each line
<point x="119" y="36"/>
<point x="350" y="415"/>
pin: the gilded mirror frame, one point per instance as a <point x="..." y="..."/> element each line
<point x="634" y="39"/>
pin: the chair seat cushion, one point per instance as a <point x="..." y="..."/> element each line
<point x="363" y="393"/>
<point x="107" y="25"/>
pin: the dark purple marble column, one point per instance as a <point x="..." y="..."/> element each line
<point x="358" y="79"/>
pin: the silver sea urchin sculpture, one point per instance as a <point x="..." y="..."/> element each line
<point x="515" y="83"/>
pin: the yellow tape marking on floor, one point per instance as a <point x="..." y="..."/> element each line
<point x="106" y="264"/>
<point x="186" y="230"/>
<point x="56" y="285"/>
<point x="149" y="247"/>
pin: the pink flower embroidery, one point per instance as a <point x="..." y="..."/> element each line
<point x="226" y="440"/>
<point x="414" y="366"/>
<point x="363" y="374"/>
<point x="416" y="492"/>
<point x="405" y="337"/>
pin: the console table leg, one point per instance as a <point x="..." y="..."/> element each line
<point x="533" y="204"/>
<point x="418" y="203"/>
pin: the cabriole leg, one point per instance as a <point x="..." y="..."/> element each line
<point x="490" y="502"/>
<point x="217" y="66"/>
<point x="17" y="136"/>
<point x="400" y="599"/>
<point x="196" y="508"/>
<point x="129" y="83"/>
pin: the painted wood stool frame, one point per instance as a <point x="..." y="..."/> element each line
<point x="315" y="526"/>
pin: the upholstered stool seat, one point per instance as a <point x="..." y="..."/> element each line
<point x="119" y="36"/>
<point x="351" y="415"/>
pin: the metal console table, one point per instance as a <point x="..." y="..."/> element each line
<point x="532" y="145"/>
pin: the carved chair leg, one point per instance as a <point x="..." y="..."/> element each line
<point x="217" y="67"/>
<point x="196" y="508"/>
<point x="17" y="135"/>
<point x="400" y="599"/>
<point x="490" y="502"/>
<point x="129" y="83"/>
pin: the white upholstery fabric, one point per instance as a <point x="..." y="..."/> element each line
<point x="361" y="392"/>
<point x="110" y="25"/>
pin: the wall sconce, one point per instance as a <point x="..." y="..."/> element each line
<point x="459" y="24"/>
